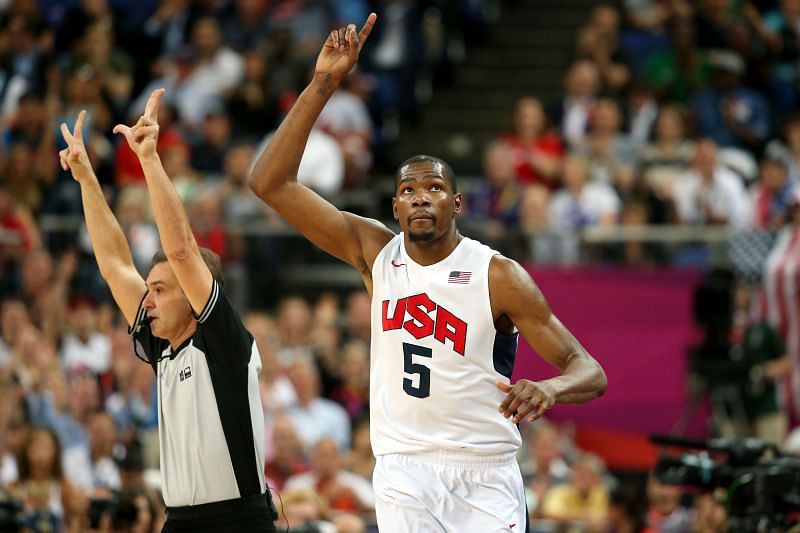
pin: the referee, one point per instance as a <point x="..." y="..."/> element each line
<point x="210" y="419"/>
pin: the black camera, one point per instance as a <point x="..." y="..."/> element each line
<point x="762" y="486"/>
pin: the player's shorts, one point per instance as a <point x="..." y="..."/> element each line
<point x="451" y="493"/>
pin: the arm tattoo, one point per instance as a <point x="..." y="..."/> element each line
<point x="325" y="85"/>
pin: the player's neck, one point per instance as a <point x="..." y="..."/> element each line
<point x="431" y="252"/>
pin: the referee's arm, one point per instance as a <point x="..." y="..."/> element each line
<point x="108" y="241"/>
<point x="176" y="235"/>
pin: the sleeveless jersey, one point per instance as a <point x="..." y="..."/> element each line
<point x="435" y="355"/>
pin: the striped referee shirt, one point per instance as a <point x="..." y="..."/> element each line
<point x="210" y="419"/>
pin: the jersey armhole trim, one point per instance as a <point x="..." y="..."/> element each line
<point x="212" y="300"/>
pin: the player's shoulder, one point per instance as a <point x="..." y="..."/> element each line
<point x="503" y="269"/>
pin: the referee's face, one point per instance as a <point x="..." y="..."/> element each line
<point x="167" y="306"/>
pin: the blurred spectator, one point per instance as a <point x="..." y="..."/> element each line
<point x="216" y="61"/>
<point x="349" y="523"/>
<point x="394" y="55"/>
<point x="711" y="193"/>
<point x="245" y="26"/>
<point x="353" y="394"/>
<point x="168" y="27"/>
<point x="641" y="111"/>
<point x="544" y="467"/>
<point x="305" y="509"/>
<point x="625" y="513"/>
<point x="357" y="315"/>
<point x="571" y="114"/>
<point x="360" y="459"/>
<point x="493" y="205"/>
<point x="85" y="348"/>
<point x="583" y="203"/>
<point x="729" y="112"/>
<point x="253" y="104"/>
<point x="205" y="218"/>
<point x="315" y="418"/>
<point x="779" y="31"/>
<point x="19" y="234"/>
<point x="611" y="154"/>
<point x="781" y="299"/>
<point x="343" y="490"/>
<point x="322" y="165"/>
<point x="103" y="438"/>
<point x="14" y="321"/>
<point x="346" y="118"/>
<point x="678" y="72"/>
<point x="189" y="88"/>
<point x="788" y="147"/>
<point x="134" y="218"/>
<point x="584" y="499"/>
<point x="294" y="326"/>
<point x="287" y="460"/>
<point x="772" y="194"/>
<point x="712" y="20"/>
<point x="48" y="499"/>
<point x="598" y="41"/>
<point x="534" y="152"/>
<point x="209" y="154"/>
<point x="664" y="160"/>
<point x="665" y="512"/>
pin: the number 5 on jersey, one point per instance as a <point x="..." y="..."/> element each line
<point x="423" y="388"/>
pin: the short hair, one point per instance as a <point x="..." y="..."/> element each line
<point x="428" y="159"/>
<point x="212" y="261"/>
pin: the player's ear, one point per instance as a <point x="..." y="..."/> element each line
<point x="394" y="209"/>
<point x="457" y="203"/>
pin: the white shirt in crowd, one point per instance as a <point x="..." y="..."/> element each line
<point x="595" y="201"/>
<point x="725" y="198"/>
<point x="94" y="354"/>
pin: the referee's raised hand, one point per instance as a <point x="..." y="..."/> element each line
<point x="143" y="136"/>
<point x="74" y="157"/>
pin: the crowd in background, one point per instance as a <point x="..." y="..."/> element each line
<point x="674" y="111"/>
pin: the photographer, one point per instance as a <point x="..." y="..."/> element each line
<point x="739" y="361"/>
<point x="758" y="346"/>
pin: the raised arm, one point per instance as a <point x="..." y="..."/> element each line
<point x="108" y="241"/>
<point x="516" y="297"/>
<point x="351" y="238"/>
<point x="176" y="235"/>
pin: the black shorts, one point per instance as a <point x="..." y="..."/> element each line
<point x="249" y="514"/>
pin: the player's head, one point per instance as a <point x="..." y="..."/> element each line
<point x="167" y="306"/>
<point x="426" y="198"/>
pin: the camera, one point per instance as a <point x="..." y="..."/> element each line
<point x="761" y="485"/>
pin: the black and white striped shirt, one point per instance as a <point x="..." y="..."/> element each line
<point x="210" y="418"/>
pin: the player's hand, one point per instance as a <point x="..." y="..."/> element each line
<point x="143" y="136"/>
<point x="74" y="157"/>
<point x="526" y="398"/>
<point x="341" y="49"/>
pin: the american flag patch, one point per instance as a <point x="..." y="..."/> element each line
<point x="458" y="276"/>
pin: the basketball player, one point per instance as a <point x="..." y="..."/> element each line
<point x="445" y="314"/>
<point x="210" y="418"/>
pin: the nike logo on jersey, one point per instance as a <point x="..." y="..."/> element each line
<point x="413" y="315"/>
<point x="398" y="265"/>
<point x="511" y="526"/>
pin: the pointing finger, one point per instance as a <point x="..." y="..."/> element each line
<point x="151" y="108"/>
<point x="367" y="29"/>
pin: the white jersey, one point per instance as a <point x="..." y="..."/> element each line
<point x="436" y="355"/>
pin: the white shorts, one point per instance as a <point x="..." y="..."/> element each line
<point x="449" y="493"/>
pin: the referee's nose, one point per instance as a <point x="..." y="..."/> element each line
<point x="148" y="302"/>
